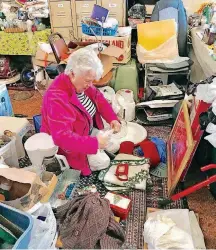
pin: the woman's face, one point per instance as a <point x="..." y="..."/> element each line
<point x="82" y="81"/>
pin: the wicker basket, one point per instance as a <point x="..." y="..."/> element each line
<point x="14" y="30"/>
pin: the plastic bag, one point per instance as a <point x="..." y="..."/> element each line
<point x="162" y="233"/>
<point x="44" y="233"/>
<point x="99" y="161"/>
<point x="5" y="103"/>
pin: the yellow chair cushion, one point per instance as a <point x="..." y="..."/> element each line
<point x="152" y="35"/>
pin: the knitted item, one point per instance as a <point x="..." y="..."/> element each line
<point x="150" y="151"/>
<point x="126" y="147"/>
<point x="138" y="152"/>
<point x="87" y="222"/>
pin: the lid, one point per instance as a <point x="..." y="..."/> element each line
<point x="40" y="141"/>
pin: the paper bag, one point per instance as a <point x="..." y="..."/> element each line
<point x="27" y="188"/>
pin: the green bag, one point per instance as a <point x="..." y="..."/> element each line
<point x="126" y="77"/>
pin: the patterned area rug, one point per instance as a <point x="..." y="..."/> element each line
<point x="140" y="199"/>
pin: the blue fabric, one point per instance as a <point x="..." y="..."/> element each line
<point x="161" y="147"/>
<point x="138" y="152"/>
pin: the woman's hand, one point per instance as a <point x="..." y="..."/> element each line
<point x="102" y="140"/>
<point x="115" y="125"/>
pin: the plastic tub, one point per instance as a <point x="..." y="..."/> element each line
<point x="97" y="30"/>
<point x="22" y="220"/>
<point x="9" y="154"/>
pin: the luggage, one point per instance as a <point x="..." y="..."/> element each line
<point x="126" y="77"/>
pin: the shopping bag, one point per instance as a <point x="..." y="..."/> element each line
<point x="5" y="103"/>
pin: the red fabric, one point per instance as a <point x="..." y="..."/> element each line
<point x="126" y="147"/>
<point x="150" y="151"/>
<point x="67" y="121"/>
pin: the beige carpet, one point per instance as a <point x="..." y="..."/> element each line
<point x="29" y="107"/>
<point x="203" y="203"/>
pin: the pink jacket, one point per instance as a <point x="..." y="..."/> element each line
<point x="67" y="121"/>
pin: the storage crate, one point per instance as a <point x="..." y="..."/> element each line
<point x="20" y="219"/>
<point x="97" y="30"/>
<point x="9" y="153"/>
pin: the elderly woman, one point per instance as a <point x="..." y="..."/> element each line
<point x="72" y="106"/>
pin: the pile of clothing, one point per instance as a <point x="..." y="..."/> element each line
<point x="87" y="222"/>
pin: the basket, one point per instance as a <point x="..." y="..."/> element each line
<point x="20" y="219"/>
<point x="14" y="30"/>
<point x="97" y="30"/>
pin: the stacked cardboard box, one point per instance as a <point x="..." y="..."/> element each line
<point x="66" y="15"/>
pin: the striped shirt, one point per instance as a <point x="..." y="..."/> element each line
<point x="87" y="103"/>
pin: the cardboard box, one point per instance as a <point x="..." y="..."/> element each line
<point x="60" y="14"/>
<point x="43" y="59"/>
<point x="52" y="180"/>
<point x="105" y="57"/>
<point x="27" y="189"/>
<point x="123" y="43"/>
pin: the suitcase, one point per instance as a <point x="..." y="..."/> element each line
<point x="126" y="77"/>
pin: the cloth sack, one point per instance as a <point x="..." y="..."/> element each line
<point x="87" y="222"/>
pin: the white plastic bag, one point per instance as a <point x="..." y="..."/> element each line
<point x="5" y="102"/>
<point x="99" y="161"/>
<point x="43" y="234"/>
<point x="162" y="233"/>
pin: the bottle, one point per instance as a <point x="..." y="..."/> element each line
<point x="5" y="187"/>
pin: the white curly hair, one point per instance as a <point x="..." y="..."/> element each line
<point x="84" y="60"/>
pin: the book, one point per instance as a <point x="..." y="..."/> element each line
<point x="99" y="13"/>
<point x="158" y="114"/>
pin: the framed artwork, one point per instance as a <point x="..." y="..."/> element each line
<point x="196" y="109"/>
<point x="180" y="146"/>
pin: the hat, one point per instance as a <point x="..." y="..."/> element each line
<point x="126" y="147"/>
<point x="150" y="151"/>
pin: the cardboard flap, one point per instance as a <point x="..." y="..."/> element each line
<point x="113" y="51"/>
<point x="18" y="175"/>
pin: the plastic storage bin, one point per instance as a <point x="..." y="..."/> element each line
<point x="97" y="30"/>
<point x="22" y="220"/>
<point x="9" y="153"/>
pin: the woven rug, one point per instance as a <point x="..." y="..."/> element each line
<point x="140" y="199"/>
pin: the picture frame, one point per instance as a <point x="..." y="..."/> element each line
<point x="180" y="146"/>
<point x="197" y="107"/>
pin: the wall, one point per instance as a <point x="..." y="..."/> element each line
<point x="193" y="5"/>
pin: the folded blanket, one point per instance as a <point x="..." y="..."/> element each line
<point x="138" y="173"/>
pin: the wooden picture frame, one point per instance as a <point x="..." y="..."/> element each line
<point x="180" y="146"/>
<point x="197" y="107"/>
